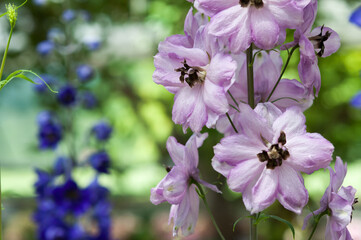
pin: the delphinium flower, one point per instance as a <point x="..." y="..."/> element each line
<point x="262" y="22"/>
<point x="177" y="187"/>
<point x="337" y="203"/>
<point x="264" y="160"/>
<point x="50" y="131"/>
<point x="88" y="99"/>
<point x="355" y="17"/>
<point x="67" y="95"/>
<point x="196" y="70"/>
<point x="100" y="161"/>
<point x="356" y="100"/>
<point x="102" y="130"/>
<point x="40" y="86"/>
<point x="84" y="72"/>
<point x="45" y="47"/>
<point x="68" y="15"/>
<point x="319" y="42"/>
<point x="61" y="165"/>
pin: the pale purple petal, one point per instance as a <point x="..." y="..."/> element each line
<point x="156" y="194"/>
<point x="309" y="16"/>
<point x="310" y="74"/>
<point x="264" y="193"/>
<point x="222" y="167"/>
<point x="307" y="49"/>
<point x="292" y="193"/>
<point x="175" y="185"/>
<point x="309" y="152"/>
<point x="214" y="188"/>
<point x="176" y="151"/>
<point x="212" y="7"/>
<point x="228" y="21"/>
<point x="286" y="13"/>
<point x="292" y="122"/>
<point x="241" y="40"/>
<point x="192" y="24"/>
<point x="184" y="104"/>
<point x="191" y="153"/>
<point x="265" y="30"/>
<point x="332" y="44"/>
<point x="199" y="116"/>
<point x="341" y="211"/>
<point x="268" y="111"/>
<point x="337" y="176"/>
<point x="188" y="221"/>
<point x="221" y="70"/>
<point x="312" y="214"/>
<point x="215" y="98"/>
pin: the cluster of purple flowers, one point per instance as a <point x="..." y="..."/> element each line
<point x="65" y="209"/>
<point x="230" y="53"/>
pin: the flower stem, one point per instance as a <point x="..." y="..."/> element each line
<point x="230" y="120"/>
<point x="317" y="220"/>
<point x="283" y="71"/>
<point x="253" y="229"/>
<point x="6" y="53"/>
<point x="250" y="81"/>
<point x="203" y="196"/>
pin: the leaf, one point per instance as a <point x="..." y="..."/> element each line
<point x="283" y="221"/>
<point x="20" y="74"/>
<point x="239" y="219"/>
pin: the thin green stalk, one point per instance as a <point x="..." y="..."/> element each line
<point x="283" y="71"/>
<point x="230" y="120"/>
<point x="234" y="100"/>
<point x="203" y="196"/>
<point x="6" y="53"/>
<point x="250" y="81"/>
<point x="253" y="228"/>
<point x="317" y="220"/>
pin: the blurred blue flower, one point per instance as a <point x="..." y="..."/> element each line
<point x="70" y="198"/>
<point x="102" y="130"/>
<point x="45" y="47"/>
<point x="41" y="87"/>
<point x="68" y="15"/>
<point x="93" y="45"/>
<point x="96" y="192"/>
<point x="67" y="95"/>
<point x="56" y="35"/>
<point x="39" y="2"/>
<point x="60" y="165"/>
<point x="89" y="101"/>
<point x="49" y="135"/>
<point x="100" y="161"/>
<point x="356" y="17"/>
<point x="356" y="100"/>
<point x="85" y="15"/>
<point x="44" y="117"/>
<point x="84" y="72"/>
<point x="44" y="179"/>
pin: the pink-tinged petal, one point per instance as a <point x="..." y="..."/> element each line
<point x="286" y="13"/>
<point x="200" y="139"/>
<point x="265" y="30"/>
<point x="244" y="173"/>
<point x="176" y="151"/>
<point x="215" y="98"/>
<point x="309" y="16"/>
<point x="214" y="188"/>
<point x="156" y="194"/>
<point x="199" y="116"/>
<point x="310" y="75"/>
<point x="292" y="193"/>
<point x="221" y="70"/>
<point x="184" y="103"/>
<point x="337" y="176"/>
<point x="311" y="215"/>
<point x="309" y="152"/>
<point x="212" y="119"/>
<point x="242" y="38"/>
<point x="223" y="125"/>
<point x="253" y="125"/>
<point x="212" y="7"/>
<point x="292" y="122"/>
<point x="191" y="153"/>
<point x="228" y="21"/>
<point x="175" y="185"/>
<point x="265" y="191"/>
<point x="237" y="148"/>
<point x="332" y="44"/>
<point x="268" y="111"/>
<point x="192" y="24"/>
<point x="222" y="167"/>
<point x="341" y="211"/>
<point x="307" y="49"/>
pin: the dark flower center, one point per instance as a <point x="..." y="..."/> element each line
<point x="246" y="3"/>
<point x="191" y="75"/>
<point x="275" y="154"/>
<point x="319" y="40"/>
<point x="353" y="208"/>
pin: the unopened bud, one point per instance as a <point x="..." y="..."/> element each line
<point x="12" y="14"/>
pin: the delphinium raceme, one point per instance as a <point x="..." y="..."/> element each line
<point x="355" y="18"/>
<point x="66" y="209"/>
<point x="226" y="72"/>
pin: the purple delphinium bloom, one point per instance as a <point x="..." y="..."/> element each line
<point x="176" y="189"/>
<point x="61" y="164"/>
<point x="49" y="135"/>
<point x="337" y="202"/>
<point x="197" y="72"/>
<point x="68" y="15"/>
<point x="264" y="160"/>
<point x="44" y="117"/>
<point x="89" y="100"/>
<point x="41" y="185"/>
<point x="39" y="2"/>
<point x="319" y="42"/>
<point x="45" y="47"/>
<point x="67" y="95"/>
<point x="84" y="72"/>
<point x="100" y="161"/>
<point x="356" y="100"/>
<point x="262" y="22"/>
<point x="40" y="86"/>
<point x="356" y="17"/>
<point x="93" y="45"/>
<point x="102" y="130"/>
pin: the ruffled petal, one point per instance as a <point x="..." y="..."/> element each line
<point x="176" y="151"/>
<point x="215" y="98"/>
<point x="332" y="44"/>
<point x="221" y="70"/>
<point x="175" y="185"/>
<point x="228" y="21"/>
<point x="292" y="122"/>
<point x="212" y="7"/>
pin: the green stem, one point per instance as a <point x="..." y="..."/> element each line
<point x="317" y="220"/>
<point x="234" y="100"/>
<point x="230" y="120"/>
<point x="203" y="196"/>
<point x="250" y="81"/>
<point x="283" y="71"/>
<point x="6" y="53"/>
<point x="253" y="229"/>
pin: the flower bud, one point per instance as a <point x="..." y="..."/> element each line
<point x="12" y="14"/>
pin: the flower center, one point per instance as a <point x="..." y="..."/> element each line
<point x="275" y="154"/>
<point x="246" y="3"/>
<point x="353" y="208"/>
<point x="319" y="40"/>
<point x="191" y="75"/>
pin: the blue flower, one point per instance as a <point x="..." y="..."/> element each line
<point x="39" y="2"/>
<point x="356" y="100"/>
<point x="56" y="35"/>
<point x="50" y="133"/>
<point x="89" y="101"/>
<point x="67" y="95"/>
<point x="68" y="15"/>
<point x="44" y="117"/>
<point x="45" y="47"/>
<point x="356" y="17"/>
<point x="60" y="165"/>
<point x="41" y="185"/>
<point x="96" y="192"/>
<point x="100" y="161"/>
<point x="93" y="45"/>
<point x="41" y="87"/>
<point x="70" y="198"/>
<point x="102" y="131"/>
<point x="84" y="72"/>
